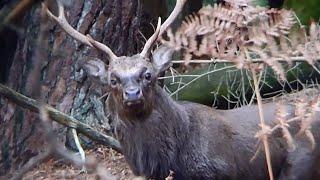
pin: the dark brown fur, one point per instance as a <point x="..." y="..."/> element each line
<point x="193" y="140"/>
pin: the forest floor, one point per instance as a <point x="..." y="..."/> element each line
<point x="112" y="163"/>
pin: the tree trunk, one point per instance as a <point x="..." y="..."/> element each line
<point x="115" y="23"/>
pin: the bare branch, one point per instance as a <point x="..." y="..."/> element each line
<point x="60" y="117"/>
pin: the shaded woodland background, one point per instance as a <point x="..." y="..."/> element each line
<point x="122" y="25"/>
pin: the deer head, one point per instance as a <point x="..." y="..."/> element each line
<point x="131" y="80"/>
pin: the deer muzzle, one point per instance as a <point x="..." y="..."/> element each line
<point x="132" y="96"/>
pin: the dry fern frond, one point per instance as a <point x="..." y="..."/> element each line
<point x="226" y="31"/>
<point x="213" y="31"/>
<point x="309" y="115"/>
<point x="311" y="48"/>
<point x="306" y="108"/>
<point x="301" y="107"/>
<point x="281" y="117"/>
<point x="306" y="102"/>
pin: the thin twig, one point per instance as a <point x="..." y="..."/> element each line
<point x="80" y="149"/>
<point x="33" y="162"/>
<point x="257" y="60"/>
<point x="262" y="122"/>
<point x="202" y="75"/>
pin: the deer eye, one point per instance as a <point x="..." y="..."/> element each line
<point x="113" y="82"/>
<point x="147" y="76"/>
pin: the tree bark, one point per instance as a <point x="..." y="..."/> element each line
<point x="115" y="23"/>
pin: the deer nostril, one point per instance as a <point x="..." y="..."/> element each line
<point x="132" y="93"/>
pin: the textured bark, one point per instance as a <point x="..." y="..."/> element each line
<point x="114" y="23"/>
<point x="59" y="117"/>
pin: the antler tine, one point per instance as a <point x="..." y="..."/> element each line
<point x="147" y="47"/>
<point x="174" y="14"/>
<point x="161" y="29"/>
<point x="87" y="40"/>
<point x="102" y="47"/>
<point x="62" y="21"/>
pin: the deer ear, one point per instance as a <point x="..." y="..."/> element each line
<point x="161" y="58"/>
<point x="97" y="70"/>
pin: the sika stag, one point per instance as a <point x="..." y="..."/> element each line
<point x="158" y="134"/>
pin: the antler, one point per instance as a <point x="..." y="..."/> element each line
<point x="87" y="40"/>
<point x="162" y="28"/>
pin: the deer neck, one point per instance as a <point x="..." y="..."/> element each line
<point x="154" y="142"/>
<point x="166" y="118"/>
